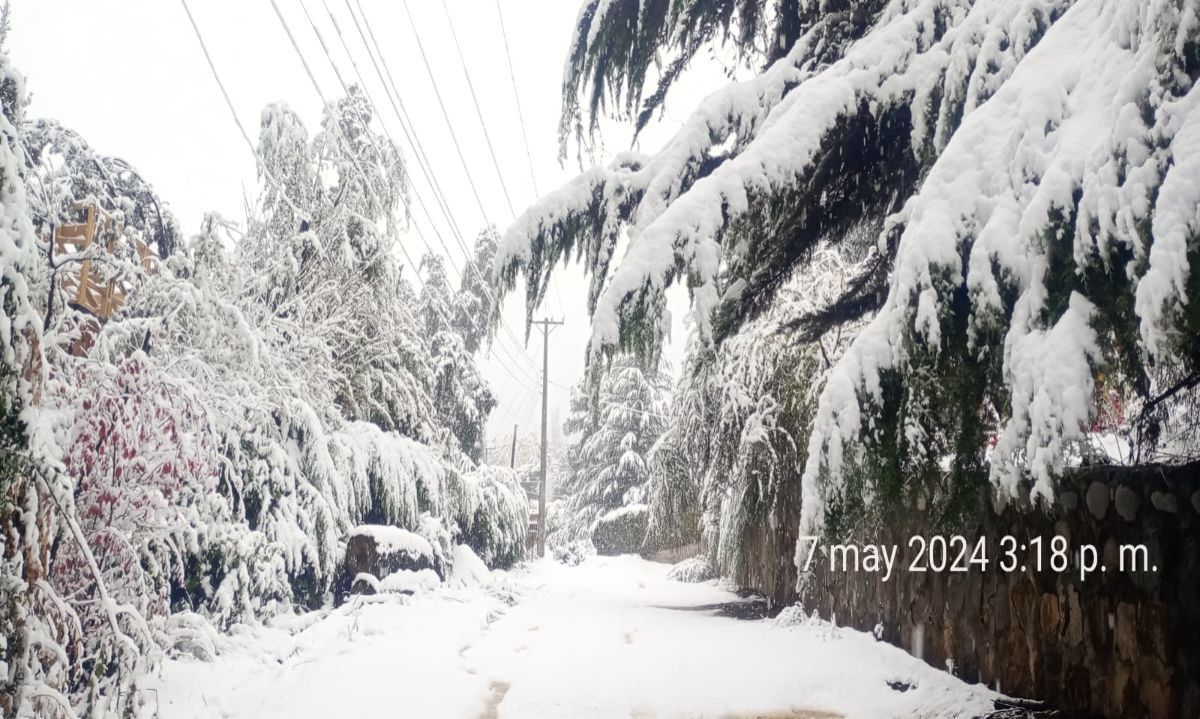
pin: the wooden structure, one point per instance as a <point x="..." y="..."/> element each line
<point x="88" y="289"/>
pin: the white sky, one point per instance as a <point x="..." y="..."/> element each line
<point x="129" y="75"/>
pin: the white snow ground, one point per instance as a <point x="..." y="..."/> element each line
<point x="610" y="638"/>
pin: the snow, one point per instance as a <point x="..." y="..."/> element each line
<point x="407" y="581"/>
<point x="370" y="580"/>
<point x="394" y="539"/>
<point x="619" y="512"/>
<point x="1017" y="162"/>
<point x="1163" y="289"/>
<point x="611" y="637"/>
<point x="467" y="569"/>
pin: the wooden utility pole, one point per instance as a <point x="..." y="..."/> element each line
<point x="547" y="325"/>
<point x="512" y="458"/>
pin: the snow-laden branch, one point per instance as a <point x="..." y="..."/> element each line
<point x="752" y="144"/>
<point x="1077" y="131"/>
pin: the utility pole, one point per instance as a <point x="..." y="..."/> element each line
<point x="512" y="459"/>
<point x="547" y="325"/>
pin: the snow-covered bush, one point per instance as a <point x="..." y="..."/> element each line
<point x="692" y="570"/>
<point x="621" y="530"/>
<point x="572" y="553"/>
<point x="467" y="569"/>
<point x="490" y="511"/>
<point x="144" y="466"/>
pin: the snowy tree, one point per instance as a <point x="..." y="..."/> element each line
<point x="1019" y="255"/>
<point x="26" y="633"/>
<point x="474" y="302"/>
<point x="607" y="467"/>
<point x="48" y="670"/>
<point x="68" y="171"/>
<point x="461" y="398"/>
<point x="323" y="266"/>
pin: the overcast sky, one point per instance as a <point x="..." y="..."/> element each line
<point x="130" y="76"/>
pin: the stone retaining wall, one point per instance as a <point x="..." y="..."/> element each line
<point x="1115" y="644"/>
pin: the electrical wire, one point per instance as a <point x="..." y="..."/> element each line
<point x="415" y="140"/>
<point x="512" y="75"/>
<point x="417" y="194"/>
<point x="478" y="111"/>
<point x="266" y="172"/>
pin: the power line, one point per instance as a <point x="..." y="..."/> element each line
<point x="478" y="112"/>
<point x="417" y="143"/>
<point x="520" y="408"/>
<point x="417" y="152"/>
<point x="450" y="127"/>
<point x="366" y="92"/>
<point x="250" y="144"/>
<point x="512" y="75"/>
<point x="397" y="103"/>
<point x="397" y="106"/>
<point x="400" y="112"/>
<point x="415" y="140"/>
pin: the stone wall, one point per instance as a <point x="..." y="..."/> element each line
<point x="1115" y="644"/>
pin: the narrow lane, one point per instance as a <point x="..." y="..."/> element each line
<point x="610" y="638"/>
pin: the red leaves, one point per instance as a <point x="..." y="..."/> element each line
<point x="132" y="479"/>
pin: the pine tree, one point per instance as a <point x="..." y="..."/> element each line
<point x="607" y="467"/>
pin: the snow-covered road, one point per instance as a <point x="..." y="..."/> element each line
<point x="610" y="638"/>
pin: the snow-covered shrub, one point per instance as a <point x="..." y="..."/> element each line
<point x="490" y="512"/>
<point x="467" y="569"/>
<point x="621" y="530"/>
<point x="572" y="553"/>
<point x="144" y="467"/>
<point x="692" y="570"/>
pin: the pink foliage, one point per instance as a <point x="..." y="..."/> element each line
<point x="143" y="462"/>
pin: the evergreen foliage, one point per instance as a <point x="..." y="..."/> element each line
<point x="607" y="469"/>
